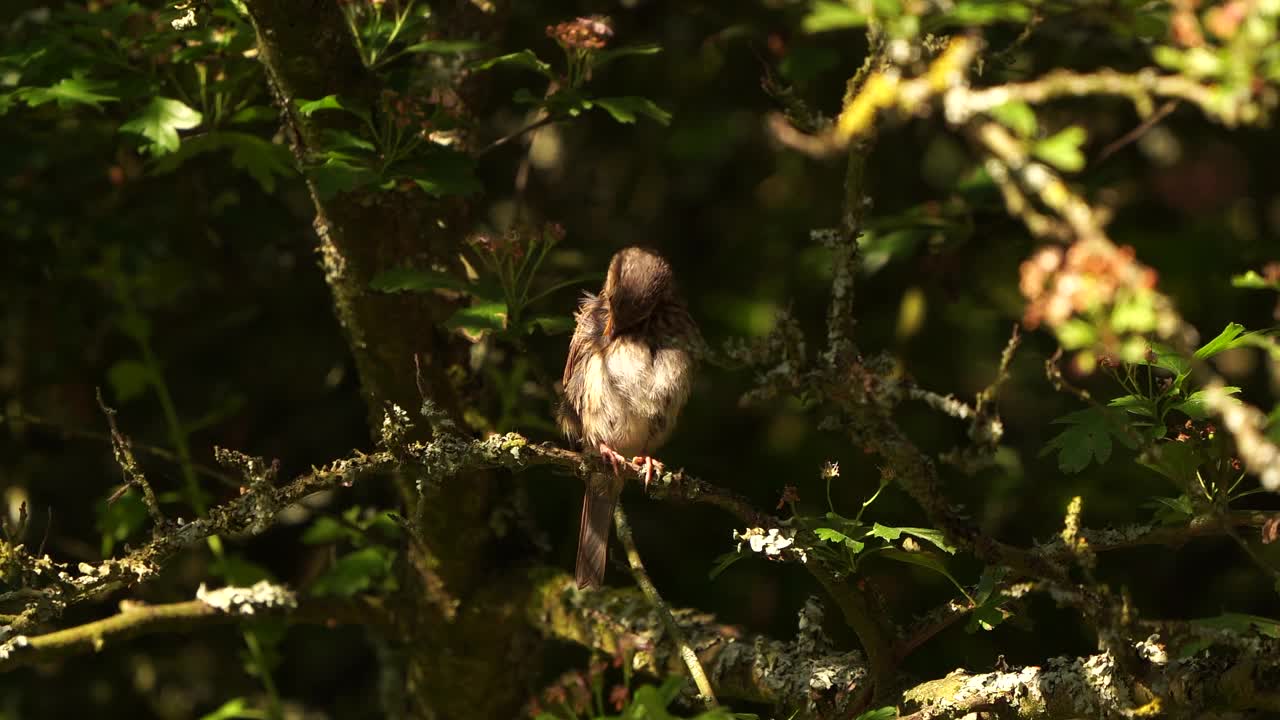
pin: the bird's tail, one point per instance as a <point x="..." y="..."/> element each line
<point x="593" y="536"/>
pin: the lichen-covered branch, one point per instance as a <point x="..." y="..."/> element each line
<point x="803" y="674"/>
<point x="211" y="607"/>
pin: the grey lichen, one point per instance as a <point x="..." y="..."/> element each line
<point x="262" y="596"/>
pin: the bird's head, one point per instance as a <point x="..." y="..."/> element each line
<point x="638" y="281"/>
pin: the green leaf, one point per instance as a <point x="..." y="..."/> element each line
<point x="328" y="102"/>
<point x="416" y="280"/>
<point x="264" y="161"/>
<point x="479" y="318"/>
<point x="885" y="532"/>
<point x="1242" y="623"/>
<point x="1017" y="116"/>
<point x="924" y="560"/>
<point x="160" y="122"/>
<point x="118" y="521"/>
<point x="625" y="109"/>
<point x="929" y="535"/>
<point x="981" y="12"/>
<point x="832" y="535"/>
<point x="1087" y="439"/>
<point x="604" y="57"/>
<point x="1194" y="408"/>
<point x="326" y="530"/>
<point x="1224" y="341"/>
<point x="1252" y="280"/>
<point x="446" y="172"/>
<point x="723" y="562"/>
<point x="523" y="59"/>
<point x="885" y="713"/>
<point x="551" y="324"/>
<point x="357" y="571"/>
<point x="1174" y="460"/>
<point x="345" y="140"/>
<point x="1165" y="357"/>
<point x="828" y="15"/>
<point x="446" y="47"/>
<point x="129" y="379"/>
<point x="75" y="90"/>
<point x="1062" y="149"/>
<point x="231" y="709"/>
<point x="1135" y="404"/>
<point x="254" y="114"/>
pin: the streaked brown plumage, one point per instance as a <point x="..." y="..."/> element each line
<point x="626" y="379"/>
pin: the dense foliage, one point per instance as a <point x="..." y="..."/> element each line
<point x="989" y="289"/>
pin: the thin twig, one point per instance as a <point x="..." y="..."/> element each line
<point x="1119" y="143"/>
<point x="651" y="593"/>
<point x="129" y="465"/>
<point x="541" y="122"/>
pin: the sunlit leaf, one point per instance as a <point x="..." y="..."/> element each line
<point x="479" y="317"/>
<point x="1017" y="116"/>
<point x="1194" y="407"/>
<point x="446" y="47"/>
<point x="626" y="109"/>
<point x="1062" y="149"/>
<point x="522" y="59"/>
<point x="1225" y="340"/>
<point x="75" y="90"/>
<point x="160" y="121"/>
<point x="604" y="57"/>
<point x="357" y="571"/>
<point x="828" y="15"/>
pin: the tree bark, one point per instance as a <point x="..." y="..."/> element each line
<point x="455" y="615"/>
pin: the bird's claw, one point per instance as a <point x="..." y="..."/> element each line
<point x="612" y="456"/>
<point x="650" y="466"/>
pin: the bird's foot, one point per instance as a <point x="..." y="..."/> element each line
<point x="650" y="466"/>
<point x="612" y="456"/>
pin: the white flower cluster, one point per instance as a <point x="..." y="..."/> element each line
<point x="772" y="542"/>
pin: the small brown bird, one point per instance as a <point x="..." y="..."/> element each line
<point x="627" y="376"/>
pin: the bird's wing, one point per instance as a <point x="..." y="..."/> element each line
<point x="587" y="329"/>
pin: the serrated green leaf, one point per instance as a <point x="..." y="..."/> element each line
<point x="522" y="59"/>
<point x="265" y="161"/>
<point x="1165" y="357"/>
<point x="929" y="535"/>
<point x="1062" y="149"/>
<point x="75" y="90"/>
<point x="1194" y="407"/>
<point x="160" y="121"/>
<point x="828" y="15"/>
<point x="357" y="571"/>
<point x="924" y="560"/>
<point x="1017" y="116"/>
<point x="832" y="535"/>
<point x="416" y="280"/>
<point x="1174" y="460"/>
<point x="1224" y="341"/>
<point x="1087" y="439"/>
<point x="626" y="109"/>
<point x="479" y="317"/>
<point x="1134" y="404"/>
